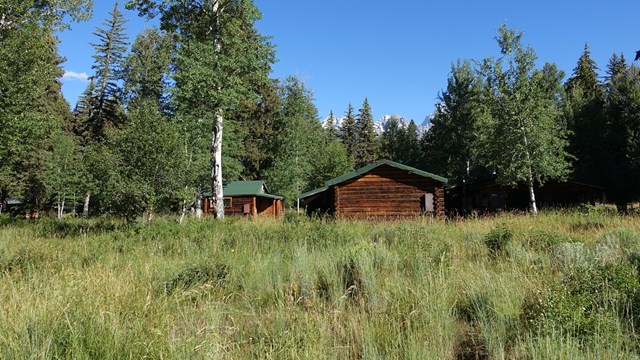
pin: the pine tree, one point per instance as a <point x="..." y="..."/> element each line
<point x="299" y="137"/>
<point x="585" y="119"/>
<point x="622" y="144"/>
<point x="366" y="138"/>
<point x="330" y="128"/>
<point x="449" y="148"/>
<point x="391" y="140"/>
<point x="411" y="142"/>
<point x="147" y="68"/>
<point x="31" y="110"/>
<point x="349" y="132"/>
<point x="107" y="66"/>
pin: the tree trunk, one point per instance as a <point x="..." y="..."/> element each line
<point x="85" y="207"/>
<point x="199" y="206"/>
<point x="532" y="195"/>
<point x="183" y="211"/>
<point x="216" y="167"/>
<point x="216" y="136"/>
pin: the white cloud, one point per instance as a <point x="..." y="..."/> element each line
<point x="70" y="75"/>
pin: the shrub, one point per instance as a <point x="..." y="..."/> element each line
<point x="196" y="275"/>
<point x="352" y="280"/>
<point x="583" y="303"/>
<point x="497" y="239"/>
<point x="546" y="239"/>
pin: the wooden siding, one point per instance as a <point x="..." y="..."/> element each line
<point x="259" y="206"/>
<point x="386" y="192"/>
<point x="269" y="207"/>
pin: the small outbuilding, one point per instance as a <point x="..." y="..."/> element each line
<point x="247" y="198"/>
<point x="383" y="189"/>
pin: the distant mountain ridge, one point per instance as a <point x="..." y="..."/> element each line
<point x="381" y="123"/>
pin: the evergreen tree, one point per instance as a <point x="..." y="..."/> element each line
<point x="108" y="71"/>
<point x="299" y="135"/>
<point x="349" y="132"/>
<point x="391" y="140"/>
<point x="147" y="68"/>
<point x="449" y="147"/>
<point x="366" y="139"/>
<point x="584" y="103"/>
<point x="331" y="128"/>
<point x="522" y="137"/>
<point x="411" y="145"/>
<point x="257" y="121"/>
<point x="31" y="110"/>
<point x="622" y="142"/>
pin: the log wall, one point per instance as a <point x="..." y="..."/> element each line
<point x="387" y="192"/>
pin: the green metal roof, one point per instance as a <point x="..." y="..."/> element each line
<point x="253" y="188"/>
<point x="365" y="169"/>
<point x="313" y="192"/>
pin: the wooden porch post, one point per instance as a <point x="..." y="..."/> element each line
<point x="254" y="208"/>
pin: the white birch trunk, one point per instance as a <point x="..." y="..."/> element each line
<point x="216" y="136"/>
<point x="532" y="196"/>
<point x="183" y="211"/>
<point x="85" y="207"/>
<point x="216" y="167"/>
<point x="199" y="207"/>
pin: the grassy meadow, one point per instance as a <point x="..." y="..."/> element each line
<point x="562" y="285"/>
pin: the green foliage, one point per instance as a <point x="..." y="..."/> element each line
<point x="349" y="132"/>
<point x="330" y="161"/>
<point x="586" y="302"/>
<point x="299" y="136"/>
<point x="51" y="14"/>
<point x="331" y="129"/>
<point x="367" y="143"/>
<point x="622" y="143"/>
<point x="403" y="289"/>
<point x="31" y="110"/>
<point x="107" y="95"/>
<point x="521" y="136"/>
<point x="498" y="239"/>
<point x="584" y="108"/>
<point x="401" y="144"/>
<point x="450" y="147"/>
<point x="146" y="69"/>
<point x="149" y="159"/>
<point x="196" y="275"/>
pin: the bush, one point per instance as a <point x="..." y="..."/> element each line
<point x="497" y="239"/>
<point x="196" y="275"/>
<point x="584" y="303"/>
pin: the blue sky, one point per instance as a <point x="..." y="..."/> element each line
<point x="398" y="54"/>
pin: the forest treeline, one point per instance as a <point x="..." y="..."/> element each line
<point x="142" y="137"/>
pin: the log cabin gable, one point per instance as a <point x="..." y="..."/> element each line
<point x="380" y="189"/>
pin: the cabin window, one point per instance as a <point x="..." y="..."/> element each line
<point x="427" y="203"/>
<point x="228" y="202"/>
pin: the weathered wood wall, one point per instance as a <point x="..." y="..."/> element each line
<point x="259" y="206"/>
<point x="386" y="192"/>
<point x="268" y="207"/>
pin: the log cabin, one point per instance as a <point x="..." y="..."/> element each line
<point x="487" y="196"/>
<point x="247" y="198"/>
<point x="382" y="189"/>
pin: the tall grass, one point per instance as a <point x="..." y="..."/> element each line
<point x="237" y="289"/>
